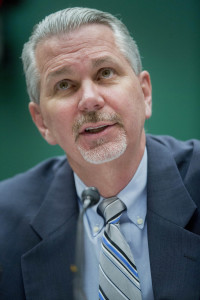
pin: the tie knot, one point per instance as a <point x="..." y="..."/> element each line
<point x="111" y="209"/>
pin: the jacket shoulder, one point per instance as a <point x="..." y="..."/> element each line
<point x="33" y="183"/>
<point x="186" y="155"/>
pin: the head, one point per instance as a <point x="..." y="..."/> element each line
<point x="88" y="92"/>
<point x="66" y="21"/>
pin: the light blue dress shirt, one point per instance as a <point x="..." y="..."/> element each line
<point x="133" y="226"/>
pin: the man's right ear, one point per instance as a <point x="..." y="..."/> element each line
<point x="39" y="121"/>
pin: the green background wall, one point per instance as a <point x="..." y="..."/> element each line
<point x="168" y="35"/>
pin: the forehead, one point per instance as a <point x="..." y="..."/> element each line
<point x="87" y="42"/>
<point x="87" y="34"/>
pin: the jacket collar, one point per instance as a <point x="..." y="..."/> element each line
<point x="59" y="205"/>
<point x="167" y="195"/>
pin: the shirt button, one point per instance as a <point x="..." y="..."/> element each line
<point x="140" y="221"/>
<point x="95" y="229"/>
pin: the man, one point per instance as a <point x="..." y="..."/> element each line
<point x="89" y="95"/>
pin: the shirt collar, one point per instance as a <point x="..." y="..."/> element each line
<point x="133" y="195"/>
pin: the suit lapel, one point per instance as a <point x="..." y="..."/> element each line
<point x="46" y="267"/>
<point x="171" y="248"/>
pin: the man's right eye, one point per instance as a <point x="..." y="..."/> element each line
<point x="63" y="85"/>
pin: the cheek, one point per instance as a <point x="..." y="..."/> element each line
<point x="127" y="100"/>
<point x="132" y="108"/>
<point x="59" y="118"/>
<point x="63" y="122"/>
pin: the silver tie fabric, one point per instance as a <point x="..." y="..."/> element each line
<point x="118" y="277"/>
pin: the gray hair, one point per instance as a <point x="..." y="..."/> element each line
<point x="65" y="21"/>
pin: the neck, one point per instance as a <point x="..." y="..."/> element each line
<point x="111" y="177"/>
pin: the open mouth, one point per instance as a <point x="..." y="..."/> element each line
<point x="93" y="131"/>
<point x="98" y="129"/>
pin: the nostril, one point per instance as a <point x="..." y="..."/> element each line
<point x="96" y="105"/>
<point x="91" y="103"/>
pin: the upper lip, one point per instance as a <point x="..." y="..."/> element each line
<point x="95" y="126"/>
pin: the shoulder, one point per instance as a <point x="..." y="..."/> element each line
<point x="182" y="151"/>
<point x="175" y="145"/>
<point x="33" y="183"/>
<point x="43" y="170"/>
<point x="186" y="156"/>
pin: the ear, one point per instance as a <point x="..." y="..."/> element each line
<point x="145" y="83"/>
<point x="38" y="119"/>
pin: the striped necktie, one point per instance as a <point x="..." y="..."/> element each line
<point x="118" y="277"/>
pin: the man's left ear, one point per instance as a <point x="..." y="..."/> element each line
<point x="145" y="83"/>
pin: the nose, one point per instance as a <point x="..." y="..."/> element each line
<point x="91" y="100"/>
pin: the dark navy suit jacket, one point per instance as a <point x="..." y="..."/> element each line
<point x="38" y="216"/>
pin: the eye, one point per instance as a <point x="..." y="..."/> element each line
<point x="63" y="85"/>
<point x="106" y="73"/>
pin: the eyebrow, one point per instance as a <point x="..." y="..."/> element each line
<point x="102" y="60"/>
<point x="66" y="70"/>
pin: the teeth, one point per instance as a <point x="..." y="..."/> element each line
<point x="95" y="129"/>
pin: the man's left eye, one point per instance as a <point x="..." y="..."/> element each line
<point x="106" y="73"/>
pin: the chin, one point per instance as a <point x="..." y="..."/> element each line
<point x="106" y="152"/>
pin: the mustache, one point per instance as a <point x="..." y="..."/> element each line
<point x="94" y="117"/>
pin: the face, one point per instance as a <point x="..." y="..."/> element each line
<point x="91" y="102"/>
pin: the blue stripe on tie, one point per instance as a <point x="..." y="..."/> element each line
<point x="100" y="296"/>
<point x="115" y="220"/>
<point x="119" y="256"/>
<point x="133" y="281"/>
<point x="114" y="286"/>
